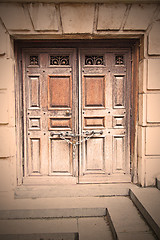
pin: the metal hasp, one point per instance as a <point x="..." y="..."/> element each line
<point x="93" y="132"/>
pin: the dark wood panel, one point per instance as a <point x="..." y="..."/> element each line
<point x="59" y="92"/>
<point x="94" y="88"/>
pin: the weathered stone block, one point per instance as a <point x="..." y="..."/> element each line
<point x="152" y="170"/>
<point x="153" y="112"/>
<point x="7" y="73"/>
<point x="7" y="142"/>
<point x="154" y="39"/>
<point x="141" y="171"/>
<point x="3" y="106"/>
<point x="153" y="141"/>
<point x="2" y="40"/>
<point x="15" y="16"/>
<point x="110" y="16"/>
<point x="77" y="18"/>
<point x="4" y="175"/>
<point x="142" y="76"/>
<point x="44" y="16"/>
<point x="139" y="16"/>
<point x="142" y="109"/>
<point x="141" y="141"/>
<point x="153" y="74"/>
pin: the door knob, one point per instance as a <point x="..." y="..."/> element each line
<point x="68" y="113"/>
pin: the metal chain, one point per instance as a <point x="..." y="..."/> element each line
<point x="85" y="138"/>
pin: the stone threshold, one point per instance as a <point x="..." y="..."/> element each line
<point x="78" y="190"/>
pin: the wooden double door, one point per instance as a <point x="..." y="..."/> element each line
<point x="76" y="115"/>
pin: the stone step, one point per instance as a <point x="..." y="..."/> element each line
<point x="147" y="200"/>
<point x="90" y="217"/>
<point x="52" y="213"/>
<point x="82" y="228"/>
<point x="79" y="190"/>
<point x="40" y="236"/>
<point x="126" y="222"/>
<point x="158" y="182"/>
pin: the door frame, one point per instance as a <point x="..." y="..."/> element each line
<point x="133" y="44"/>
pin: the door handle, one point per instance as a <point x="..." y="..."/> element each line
<point x="56" y="134"/>
<point x="68" y="113"/>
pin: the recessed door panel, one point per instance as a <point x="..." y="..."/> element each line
<point x="94" y="91"/>
<point x="34" y="91"/>
<point x="61" y="157"/>
<point x="94" y="150"/>
<point x="35" y="156"/>
<point x="59" y="92"/>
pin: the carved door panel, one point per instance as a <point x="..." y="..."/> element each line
<point x="105" y="116"/>
<point x="49" y="88"/>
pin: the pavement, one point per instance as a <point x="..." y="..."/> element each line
<point x="94" y="212"/>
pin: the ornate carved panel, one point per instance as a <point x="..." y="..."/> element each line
<point x="34" y="60"/>
<point x="59" y="60"/>
<point x="119" y="60"/>
<point x="94" y="60"/>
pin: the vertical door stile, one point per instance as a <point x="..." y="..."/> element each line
<point x="24" y="115"/>
<point x="79" y="112"/>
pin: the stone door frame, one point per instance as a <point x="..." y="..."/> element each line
<point x="132" y="43"/>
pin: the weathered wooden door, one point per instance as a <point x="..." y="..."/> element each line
<point x="50" y="103"/>
<point x="76" y="126"/>
<point x="105" y="115"/>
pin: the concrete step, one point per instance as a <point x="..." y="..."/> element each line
<point x="126" y="222"/>
<point x="79" y="190"/>
<point x="52" y="213"/>
<point x="158" y="182"/>
<point x="40" y="236"/>
<point x="83" y="228"/>
<point x="147" y="200"/>
<point x="118" y="219"/>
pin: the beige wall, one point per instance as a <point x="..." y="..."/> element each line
<point x="25" y="21"/>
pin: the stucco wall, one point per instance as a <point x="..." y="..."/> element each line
<point x="92" y="20"/>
